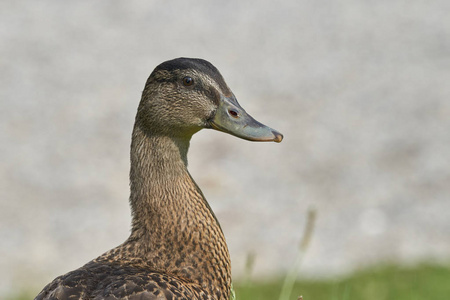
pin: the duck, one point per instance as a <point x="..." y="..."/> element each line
<point x="176" y="248"/>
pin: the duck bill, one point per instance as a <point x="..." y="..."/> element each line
<point x="231" y="118"/>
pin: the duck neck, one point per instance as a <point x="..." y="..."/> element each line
<point x="173" y="229"/>
<point x="158" y="162"/>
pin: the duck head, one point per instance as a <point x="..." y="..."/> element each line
<point x="184" y="95"/>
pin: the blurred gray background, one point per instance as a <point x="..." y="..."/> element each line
<point x="360" y="90"/>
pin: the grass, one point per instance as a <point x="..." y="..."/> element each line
<point x="424" y="282"/>
<point x="381" y="283"/>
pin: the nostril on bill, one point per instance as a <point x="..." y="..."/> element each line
<point x="233" y="113"/>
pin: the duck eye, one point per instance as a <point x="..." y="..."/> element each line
<point x="187" y="81"/>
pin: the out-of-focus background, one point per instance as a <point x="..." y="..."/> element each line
<point x="360" y="90"/>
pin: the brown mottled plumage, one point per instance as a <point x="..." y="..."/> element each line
<point x="176" y="249"/>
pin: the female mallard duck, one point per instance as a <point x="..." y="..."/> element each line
<point x="176" y="249"/>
